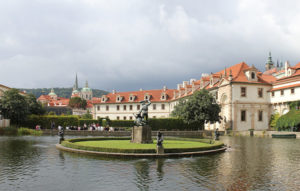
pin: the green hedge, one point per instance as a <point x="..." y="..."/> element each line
<point x="122" y="123"/>
<point x="160" y="124"/>
<point x="45" y="121"/>
<point x="156" y="124"/>
<point x="172" y="124"/>
<point x="291" y="119"/>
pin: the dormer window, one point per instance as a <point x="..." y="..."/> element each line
<point x="119" y="98"/>
<point x="131" y="97"/>
<point x="253" y="75"/>
<point x="104" y="98"/>
<point x="163" y="96"/>
<point x="147" y="97"/>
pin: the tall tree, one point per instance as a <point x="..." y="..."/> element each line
<point x="201" y="107"/>
<point x="34" y="106"/>
<point x="14" y="106"/>
<point x="77" y="102"/>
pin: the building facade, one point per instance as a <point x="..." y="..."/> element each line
<point x="247" y="96"/>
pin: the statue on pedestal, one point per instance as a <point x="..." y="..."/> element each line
<point x="142" y="115"/>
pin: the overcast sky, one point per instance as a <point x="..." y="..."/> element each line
<point x="131" y="44"/>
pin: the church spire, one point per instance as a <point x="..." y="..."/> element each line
<point x="86" y="84"/>
<point x="76" y="83"/>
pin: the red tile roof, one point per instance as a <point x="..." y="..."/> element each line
<point x="155" y="96"/>
<point x="285" y="87"/>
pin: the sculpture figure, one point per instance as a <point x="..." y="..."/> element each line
<point x="142" y="116"/>
<point x="160" y="139"/>
<point x="61" y="134"/>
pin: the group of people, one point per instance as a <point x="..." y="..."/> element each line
<point x="91" y="127"/>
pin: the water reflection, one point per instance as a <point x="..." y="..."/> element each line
<point x="33" y="163"/>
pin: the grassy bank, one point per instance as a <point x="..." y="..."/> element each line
<point x="13" y="131"/>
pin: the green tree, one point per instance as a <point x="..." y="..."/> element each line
<point x="14" y="106"/>
<point x="274" y="119"/>
<point x="34" y="106"/>
<point x="77" y="102"/>
<point x="88" y="115"/>
<point x="201" y="107"/>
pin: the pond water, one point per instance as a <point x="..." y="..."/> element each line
<point x="33" y="163"/>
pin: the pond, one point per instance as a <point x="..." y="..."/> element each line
<point x="33" y="163"/>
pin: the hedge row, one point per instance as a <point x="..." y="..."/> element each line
<point x="156" y="124"/>
<point x="159" y="124"/>
<point x="45" y="121"/>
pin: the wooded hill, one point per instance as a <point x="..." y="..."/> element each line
<point x="60" y="92"/>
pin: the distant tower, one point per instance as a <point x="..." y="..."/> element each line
<point x="269" y="65"/>
<point x="75" y="91"/>
<point x="86" y="92"/>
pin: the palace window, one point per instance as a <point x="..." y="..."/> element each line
<point x="273" y="94"/>
<point x="138" y="107"/>
<point x="124" y="107"/>
<point x="107" y="108"/>
<point x="282" y="92"/>
<point x="130" y="117"/>
<point x="260" y="115"/>
<point x="292" y="91"/>
<point x="98" y="107"/>
<point x="124" y="118"/>
<point x="154" y="106"/>
<point x="154" y="117"/>
<point x="130" y="107"/>
<point x="118" y="118"/>
<point x="243" y="92"/>
<point x="260" y="92"/>
<point x="162" y="106"/>
<point x="243" y="115"/>
<point x="216" y="95"/>
<point x="118" y="107"/>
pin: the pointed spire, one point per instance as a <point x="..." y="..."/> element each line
<point x="225" y="73"/>
<point x="52" y="90"/>
<point x="86" y="84"/>
<point x="76" y="83"/>
<point x="277" y="65"/>
<point x="230" y="75"/>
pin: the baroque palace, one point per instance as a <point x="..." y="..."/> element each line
<point x="247" y="96"/>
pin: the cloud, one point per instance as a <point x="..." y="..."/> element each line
<point x="132" y="44"/>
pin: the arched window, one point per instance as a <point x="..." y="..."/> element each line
<point x="253" y="75"/>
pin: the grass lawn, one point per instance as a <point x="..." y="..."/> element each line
<point x="126" y="144"/>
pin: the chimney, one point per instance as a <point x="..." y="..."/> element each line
<point x="114" y="92"/>
<point x="286" y="66"/>
<point x="185" y="83"/>
<point x="165" y="88"/>
<point x="178" y="86"/>
<point x="230" y="75"/>
<point x="192" y="80"/>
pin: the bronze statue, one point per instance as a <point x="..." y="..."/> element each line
<point x="142" y="115"/>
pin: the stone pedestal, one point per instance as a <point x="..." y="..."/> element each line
<point x="141" y="134"/>
<point x="160" y="150"/>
